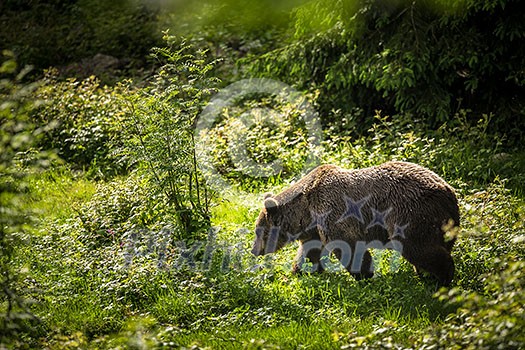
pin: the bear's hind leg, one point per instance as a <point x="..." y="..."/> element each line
<point x="436" y="260"/>
<point x="361" y="265"/>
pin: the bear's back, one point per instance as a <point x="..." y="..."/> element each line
<point x="405" y="188"/>
<point x="397" y="179"/>
<point x="408" y="192"/>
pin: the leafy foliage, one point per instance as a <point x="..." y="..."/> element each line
<point x="17" y="136"/>
<point x="84" y="123"/>
<point x="49" y="33"/>
<point x="160" y="131"/>
<point x="487" y="323"/>
<point x="260" y="137"/>
<point x="117" y="207"/>
<point x="470" y="153"/>
<point x="424" y="58"/>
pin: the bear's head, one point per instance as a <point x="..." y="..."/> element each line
<point x="269" y="231"/>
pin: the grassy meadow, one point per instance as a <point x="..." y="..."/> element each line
<point x="139" y="293"/>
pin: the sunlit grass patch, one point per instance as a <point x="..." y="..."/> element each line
<point x="58" y="194"/>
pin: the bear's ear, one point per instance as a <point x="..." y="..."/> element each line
<point x="268" y="195"/>
<point x="271" y="205"/>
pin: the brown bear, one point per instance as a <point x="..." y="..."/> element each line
<point x="395" y="205"/>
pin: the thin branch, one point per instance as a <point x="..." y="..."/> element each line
<point x="143" y="144"/>
<point x="414" y="23"/>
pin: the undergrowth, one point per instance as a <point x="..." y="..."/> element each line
<point x="152" y="289"/>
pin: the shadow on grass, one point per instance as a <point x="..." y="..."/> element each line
<point x="402" y="293"/>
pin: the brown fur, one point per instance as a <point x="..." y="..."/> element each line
<point x="414" y="202"/>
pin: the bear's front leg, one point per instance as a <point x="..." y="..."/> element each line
<point x="434" y="259"/>
<point x="308" y="252"/>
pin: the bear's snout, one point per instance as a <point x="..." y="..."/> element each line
<point x="256" y="251"/>
<point x="258" y="247"/>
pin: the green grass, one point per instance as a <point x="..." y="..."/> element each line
<point x="57" y="195"/>
<point x="87" y="297"/>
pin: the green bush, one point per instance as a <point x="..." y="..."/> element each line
<point x="460" y="150"/>
<point x="87" y="124"/>
<point x="159" y="131"/>
<point x="260" y="137"/>
<point x="119" y="207"/>
<point x="425" y="58"/>
<point x="486" y="322"/>
<point x="17" y="137"/>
